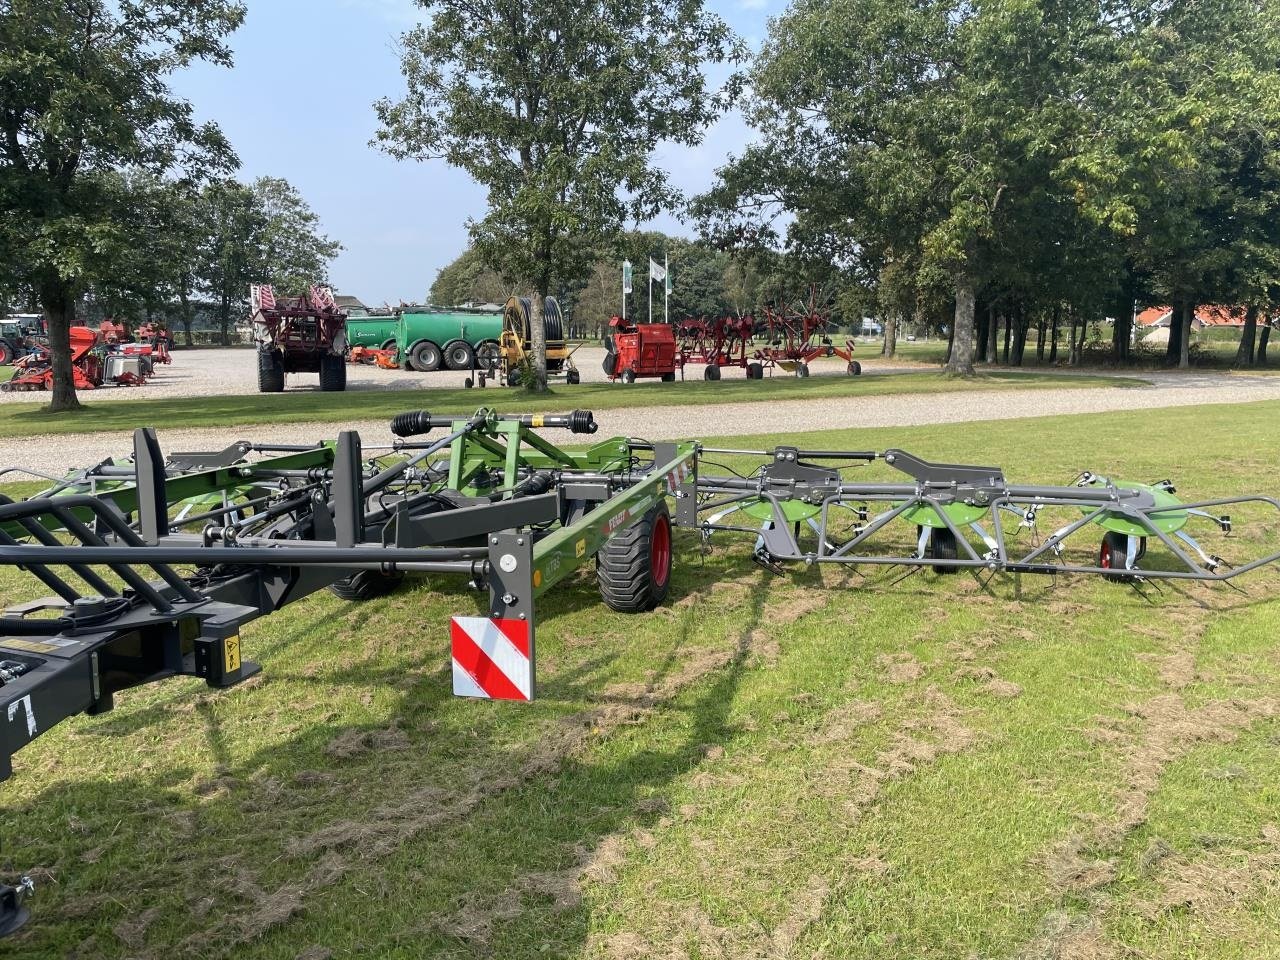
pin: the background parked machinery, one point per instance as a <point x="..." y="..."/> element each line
<point x="634" y="350"/>
<point x="455" y="339"/>
<point x="306" y="334"/>
<point x="515" y="358"/>
<point x="93" y="364"/>
<point x="719" y="343"/>
<point x="19" y="333"/>
<point x="792" y="337"/>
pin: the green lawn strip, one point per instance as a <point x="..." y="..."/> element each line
<point x="352" y="724"/>
<point x="18" y="420"/>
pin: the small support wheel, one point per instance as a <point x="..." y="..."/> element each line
<point x="365" y="585"/>
<point x="468" y="383"/>
<point x="572" y="377"/>
<point x="943" y="546"/>
<point x="802" y="370"/>
<point x="711" y="372"/>
<point x="854" y="369"/>
<point x="669" y="377"/>
<point x="633" y="568"/>
<point x="755" y="371"/>
<point x="628" y="375"/>
<point x="1113" y="554"/>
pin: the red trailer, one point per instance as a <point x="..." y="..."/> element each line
<point x="636" y="350"/>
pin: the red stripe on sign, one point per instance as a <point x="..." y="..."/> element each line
<point x="517" y="631"/>
<point x="480" y="668"/>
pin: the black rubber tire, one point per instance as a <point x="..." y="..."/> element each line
<point x="854" y="369"/>
<point x="468" y="383"/>
<point x="628" y="375"/>
<point x="270" y="371"/>
<point x="572" y="378"/>
<point x="389" y="345"/>
<point x="333" y="373"/>
<point x="755" y="371"/>
<point x="366" y="585"/>
<point x="669" y="377"/>
<point x="624" y="565"/>
<point x="610" y="364"/>
<point x="6" y="354"/>
<point x="426" y="357"/>
<point x="488" y="353"/>
<point x="459" y="355"/>
<point x="943" y="546"/>
<point x="711" y="372"/>
<point x="802" y="370"/>
<point x="553" y="320"/>
<point x="1112" y="555"/>
<point x="513" y="377"/>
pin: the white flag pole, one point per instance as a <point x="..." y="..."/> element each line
<point x="650" y="286"/>
<point x="666" y="284"/>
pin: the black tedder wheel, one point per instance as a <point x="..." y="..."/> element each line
<point x="943" y="546"/>
<point x="365" y="585"/>
<point x="633" y="568"/>
<point x="572" y="377"/>
<point x="628" y="375"/>
<point x="270" y="371"/>
<point x="425" y="357"/>
<point x="755" y="371"/>
<point x="711" y="372"/>
<point x="854" y="368"/>
<point x="1112" y="556"/>
<point x="333" y="373"/>
<point x="669" y="377"/>
<point x="802" y="370"/>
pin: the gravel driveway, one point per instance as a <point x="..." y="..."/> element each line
<point x="54" y="454"/>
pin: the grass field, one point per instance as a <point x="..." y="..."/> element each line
<point x="808" y="766"/>
<point x="25" y="420"/>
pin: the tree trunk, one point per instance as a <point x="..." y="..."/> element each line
<point x="1263" y="336"/>
<point x="1053" y="334"/>
<point x="538" y="337"/>
<point x="984" y="330"/>
<point x="224" y="321"/>
<point x="1184" y="348"/>
<point x="993" y="325"/>
<point x="1173" y="350"/>
<point x="1020" y="340"/>
<point x="890" y="335"/>
<point x="1244" y="355"/>
<point x="1122" y="332"/>
<point x="1071" y="338"/>
<point x="1008" y="330"/>
<point x="960" y="362"/>
<point x="58" y="302"/>
<point x="1084" y="333"/>
<point x="186" y="318"/>
<point x="1040" y="339"/>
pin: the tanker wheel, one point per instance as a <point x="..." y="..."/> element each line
<point x="633" y="568"/>
<point x="572" y="377"/>
<point x="943" y="546"/>
<point x="628" y="375"/>
<point x="854" y="369"/>
<point x="365" y="585"/>
<point x="270" y="371"/>
<point x="802" y="370"/>
<point x="425" y="357"/>
<point x="711" y="373"/>
<point x="333" y="373"/>
<point x="390" y="344"/>
<point x="755" y="371"/>
<point x="459" y="355"/>
<point x="1112" y="556"/>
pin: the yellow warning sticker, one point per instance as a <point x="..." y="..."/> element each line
<point x="231" y="653"/>
<point x="580" y="548"/>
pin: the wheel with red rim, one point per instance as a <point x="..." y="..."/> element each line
<point x="633" y="568"/>
<point x="1112" y="555"/>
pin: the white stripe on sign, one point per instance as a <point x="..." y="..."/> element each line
<point x="491" y="658"/>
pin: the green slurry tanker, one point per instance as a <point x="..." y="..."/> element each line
<point x="454" y="339"/>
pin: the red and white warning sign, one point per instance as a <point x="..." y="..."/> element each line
<point x="491" y="658"/>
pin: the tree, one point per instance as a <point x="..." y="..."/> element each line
<point x="468" y="280"/>
<point x="556" y="107"/>
<point x="263" y="232"/>
<point x="83" y="94"/>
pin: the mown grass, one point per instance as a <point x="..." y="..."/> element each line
<point x="816" y="765"/>
<point x="18" y="420"/>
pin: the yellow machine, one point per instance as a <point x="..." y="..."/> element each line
<point x="516" y="351"/>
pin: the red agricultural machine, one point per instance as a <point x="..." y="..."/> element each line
<point x="306" y="334"/>
<point x="93" y="364"/>
<point x="719" y="343"/>
<point x="793" y="338"/>
<point x="635" y="350"/>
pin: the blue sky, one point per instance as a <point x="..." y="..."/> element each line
<point x="298" y="104"/>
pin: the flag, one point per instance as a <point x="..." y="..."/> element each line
<point x="656" y="271"/>
<point x="626" y="276"/>
<point x="670" y="282"/>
